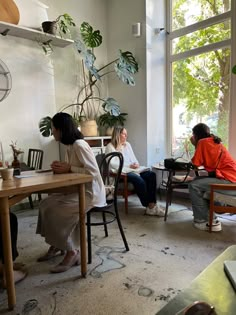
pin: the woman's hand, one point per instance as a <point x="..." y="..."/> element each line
<point x="193" y="140"/>
<point x="134" y="165"/>
<point x="60" y="167"/>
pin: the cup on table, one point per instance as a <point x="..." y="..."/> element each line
<point x="7" y="173"/>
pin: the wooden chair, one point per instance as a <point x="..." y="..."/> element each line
<point x="125" y="189"/>
<point x="227" y="202"/>
<point x="110" y="212"/>
<point x="35" y="162"/>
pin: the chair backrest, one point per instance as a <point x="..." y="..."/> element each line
<point x="110" y="178"/>
<point x="35" y="159"/>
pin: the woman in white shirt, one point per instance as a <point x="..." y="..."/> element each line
<point x="58" y="220"/>
<point x="145" y="182"/>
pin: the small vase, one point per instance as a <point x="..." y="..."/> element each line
<point x="15" y="163"/>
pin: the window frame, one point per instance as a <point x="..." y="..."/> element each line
<point x="230" y="43"/>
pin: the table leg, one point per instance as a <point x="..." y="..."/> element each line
<point x="8" y="264"/>
<point x="82" y="230"/>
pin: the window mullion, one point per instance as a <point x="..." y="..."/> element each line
<point x="200" y="25"/>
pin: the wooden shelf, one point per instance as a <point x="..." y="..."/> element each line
<point x="32" y="34"/>
<point x="98" y="144"/>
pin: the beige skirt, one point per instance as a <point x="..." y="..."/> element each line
<point x="58" y="221"/>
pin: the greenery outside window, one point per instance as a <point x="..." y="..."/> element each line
<point x="199" y="47"/>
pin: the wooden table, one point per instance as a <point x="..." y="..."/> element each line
<point x="211" y="286"/>
<point x="18" y="189"/>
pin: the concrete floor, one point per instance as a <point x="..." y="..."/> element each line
<point x="163" y="258"/>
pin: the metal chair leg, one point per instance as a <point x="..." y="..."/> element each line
<point x="120" y="226"/>
<point x="39" y="197"/>
<point x="168" y="201"/>
<point x="105" y="225"/>
<point x="31" y="202"/>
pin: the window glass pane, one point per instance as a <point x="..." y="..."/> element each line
<point x="200" y="94"/>
<point x="187" y="12"/>
<point x="203" y="37"/>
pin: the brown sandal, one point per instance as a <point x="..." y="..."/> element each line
<point x="52" y="252"/>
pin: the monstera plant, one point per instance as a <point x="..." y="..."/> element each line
<point x="124" y="66"/>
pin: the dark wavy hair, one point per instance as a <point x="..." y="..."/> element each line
<point x="68" y="129"/>
<point x="201" y="131"/>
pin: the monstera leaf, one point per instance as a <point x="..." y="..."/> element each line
<point x="89" y="60"/>
<point x="125" y="67"/>
<point x="90" y="37"/>
<point x="45" y="126"/>
<point x="88" y="57"/>
<point x="111" y="106"/>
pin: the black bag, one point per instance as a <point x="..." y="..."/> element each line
<point x="177" y="165"/>
<point x="212" y="174"/>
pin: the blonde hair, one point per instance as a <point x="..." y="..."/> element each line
<point x="115" y="138"/>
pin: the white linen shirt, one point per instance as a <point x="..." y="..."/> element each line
<point x="127" y="152"/>
<point x="82" y="160"/>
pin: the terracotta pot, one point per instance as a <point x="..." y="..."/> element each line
<point x="49" y="27"/>
<point x="89" y="128"/>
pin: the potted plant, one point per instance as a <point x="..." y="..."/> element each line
<point x="63" y="21"/>
<point x="111" y="118"/>
<point x="89" y="99"/>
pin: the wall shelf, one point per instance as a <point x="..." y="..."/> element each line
<point x="32" y="34"/>
<point x="98" y="144"/>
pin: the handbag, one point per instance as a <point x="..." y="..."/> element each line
<point x="174" y="164"/>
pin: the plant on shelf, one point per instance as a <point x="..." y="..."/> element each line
<point x="89" y="101"/>
<point x="111" y="118"/>
<point x="62" y="22"/>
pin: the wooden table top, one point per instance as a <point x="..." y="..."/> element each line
<point x="35" y="182"/>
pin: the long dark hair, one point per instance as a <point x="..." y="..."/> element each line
<point x="201" y="131"/>
<point x="68" y="129"/>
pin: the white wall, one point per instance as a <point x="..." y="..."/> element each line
<point x="121" y="15"/>
<point x="144" y="103"/>
<point x="40" y="84"/>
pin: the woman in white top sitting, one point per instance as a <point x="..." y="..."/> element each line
<point x="145" y="182"/>
<point x="58" y="220"/>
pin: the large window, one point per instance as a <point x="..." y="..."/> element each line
<point x="199" y="49"/>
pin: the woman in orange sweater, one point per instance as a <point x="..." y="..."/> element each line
<point x="221" y="167"/>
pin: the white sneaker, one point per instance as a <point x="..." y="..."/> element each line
<point x="156" y="210"/>
<point x="204" y="226"/>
